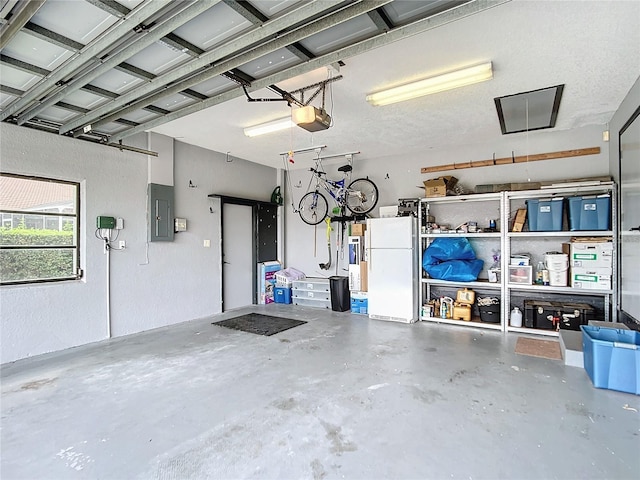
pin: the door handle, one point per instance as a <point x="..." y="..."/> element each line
<point x="636" y="229"/>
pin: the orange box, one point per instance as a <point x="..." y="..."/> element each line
<point x="357" y="229"/>
<point x="518" y="221"/>
<point x="437" y="187"/>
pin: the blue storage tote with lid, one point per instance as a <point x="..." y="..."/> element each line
<point x="545" y="215"/>
<point x="282" y="294"/>
<point x="590" y="213"/>
<point x="612" y="358"/>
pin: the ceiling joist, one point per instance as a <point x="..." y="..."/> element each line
<point x="204" y="61"/>
<point x="399" y="33"/>
<point x="323" y="23"/>
<point x="87" y="55"/>
<point x="143" y="42"/>
<point x="20" y="15"/>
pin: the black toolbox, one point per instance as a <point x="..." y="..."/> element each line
<point x="556" y="315"/>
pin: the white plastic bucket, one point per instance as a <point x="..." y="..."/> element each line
<point x="556" y="261"/>
<point x="558" y="278"/>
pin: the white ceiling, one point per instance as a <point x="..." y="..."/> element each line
<point x="591" y="47"/>
<point x="151" y="63"/>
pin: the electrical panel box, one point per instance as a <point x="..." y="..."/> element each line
<point x="160" y="208"/>
<point x="105" y="222"/>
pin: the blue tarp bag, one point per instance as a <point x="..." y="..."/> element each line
<point x="452" y="259"/>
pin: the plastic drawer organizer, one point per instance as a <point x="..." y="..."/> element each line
<point x="612" y="358"/>
<point x="312" y="292"/>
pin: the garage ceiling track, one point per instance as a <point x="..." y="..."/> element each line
<point x="103" y="70"/>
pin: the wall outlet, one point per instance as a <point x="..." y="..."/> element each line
<point x="207" y="243"/>
<point x="122" y="244"/>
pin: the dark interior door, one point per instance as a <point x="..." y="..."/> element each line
<point x="264" y="242"/>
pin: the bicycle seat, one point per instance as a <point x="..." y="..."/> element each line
<point x="345" y="168"/>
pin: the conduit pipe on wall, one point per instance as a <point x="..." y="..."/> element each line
<point x="108" y="293"/>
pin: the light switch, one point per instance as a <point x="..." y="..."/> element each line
<point x="207" y="243"/>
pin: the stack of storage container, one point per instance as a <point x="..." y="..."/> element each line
<point x="591" y="262"/>
<point x="591" y="259"/>
<point x="312" y="292"/>
<point x="284" y="282"/>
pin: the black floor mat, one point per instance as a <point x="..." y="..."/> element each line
<point x="259" y="324"/>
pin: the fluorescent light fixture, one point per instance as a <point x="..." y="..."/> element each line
<point x="439" y="83"/>
<point x="268" y="127"/>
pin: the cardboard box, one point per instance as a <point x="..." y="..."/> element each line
<point x="364" y="277"/>
<point x="437" y="187"/>
<point x="354" y="278"/>
<point x="358" y="277"/>
<point x="515" y="187"/>
<point x="591" y="278"/>
<point x="486" y="188"/>
<point x="506" y="187"/>
<point x="356" y="249"/>
<point x="591" y="255"/>
<point x="359" y="303"/>
<point x="519" y="220"/>
<point x="267" y="281"/>
<point x="357" y="229"/>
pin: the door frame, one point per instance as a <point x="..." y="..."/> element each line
<point x="622" y="315"/>
<point x="255" y="238"/>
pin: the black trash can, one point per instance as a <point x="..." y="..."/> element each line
<point x="340" y="299"/>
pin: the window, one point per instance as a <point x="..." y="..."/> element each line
<point x="39" y="235"/>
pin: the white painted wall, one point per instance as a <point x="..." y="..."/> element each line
<point x="153" y="284"/>
<point x="306" y="246"/>
<point x="160" y="169"/>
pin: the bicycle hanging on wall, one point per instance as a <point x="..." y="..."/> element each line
<point x="359" y="197"/>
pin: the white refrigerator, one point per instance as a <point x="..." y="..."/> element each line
<point x="392" y="254"/>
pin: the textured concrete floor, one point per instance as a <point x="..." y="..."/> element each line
<point x="339" y="397"/>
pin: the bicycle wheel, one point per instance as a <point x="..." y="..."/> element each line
<point x="362" y="196"/>
<point x="313" y="208"/>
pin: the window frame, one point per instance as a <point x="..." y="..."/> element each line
<point x="76" y="244"/>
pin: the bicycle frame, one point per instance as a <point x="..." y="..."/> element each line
<point x="359" y="197"/>
<point x="335" y="188"/>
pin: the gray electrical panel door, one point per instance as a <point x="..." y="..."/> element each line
<point x="160" y="212"/>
